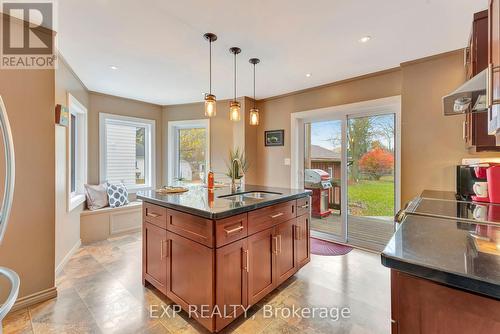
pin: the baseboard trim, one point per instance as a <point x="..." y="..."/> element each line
<point x="35" y="298"/>
<point x="68" y="256"/>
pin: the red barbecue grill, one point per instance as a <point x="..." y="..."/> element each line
<point x="319" y="182"/>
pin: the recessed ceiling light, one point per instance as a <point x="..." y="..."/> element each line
<point x="113" y="67"/>
<point x="308" y="75"/>
<point x="365" y="39"/>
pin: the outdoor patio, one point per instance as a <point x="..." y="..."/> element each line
<point x="364" y="232"/>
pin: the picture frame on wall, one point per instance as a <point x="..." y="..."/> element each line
<point x="62" y="115"/>
<point x="274" y="138"/>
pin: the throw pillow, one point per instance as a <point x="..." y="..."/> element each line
<point x="97" y="196"/>
<point x="117" y="195"/>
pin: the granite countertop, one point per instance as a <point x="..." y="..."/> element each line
<point x="457" y="253"/>
<point x="198" y="200"/>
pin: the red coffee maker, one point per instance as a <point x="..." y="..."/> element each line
<point x="493" y="179"/>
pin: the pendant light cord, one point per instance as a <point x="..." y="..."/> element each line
<point x="235" y="76"/>
<point x="254" y="86"/>
<point x="210" y="66"/>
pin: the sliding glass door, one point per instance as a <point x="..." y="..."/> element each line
<point x="371" y="187"/>
<point x="357" y="153"/>
<point x="323" y="159"/>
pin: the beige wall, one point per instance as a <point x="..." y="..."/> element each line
<point x="251" y="177"/>
<point x="28" y="246"/>
<point x="225" y="134"/>
<point x="125" y="107"/>
<point x="67" y="223"/>
<point x="431" y="144"/>
<point x="275" y="114"/>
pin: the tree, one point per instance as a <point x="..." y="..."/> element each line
<point x="377" y="162"/>
<point x="360" y="133"/>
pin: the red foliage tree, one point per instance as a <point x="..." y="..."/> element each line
<point x="376" y="163"/>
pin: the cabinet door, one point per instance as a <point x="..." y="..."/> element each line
<point x="286" y="264"/>
<point x="154" y="261"/>
<point x="303" y="242"/>
<point x="190" y="274"/>
<point x="231" y="281"/>
<point x="261" y="276"/>
<point x="494" y="67"/>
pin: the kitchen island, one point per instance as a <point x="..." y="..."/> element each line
<point x="216" y="253"/>
<point x="445" y="267"/>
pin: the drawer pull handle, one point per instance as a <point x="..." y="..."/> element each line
<point x="161" y="249"/>
<point x="247" y="260"/>
<point x="275" y="245"/>
<point x="305" y="206"/>
<point x="234" y="230"/>
<point x="154" y="215"/>
<point x="297" y="233"/>
<point x="277" y="215"/>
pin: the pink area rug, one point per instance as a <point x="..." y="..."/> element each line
<point x="326" y="248"/>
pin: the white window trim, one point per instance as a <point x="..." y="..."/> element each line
<point x="151" y="166"/>
<point x="172" y="142"/>
<point x="78" y="197"/>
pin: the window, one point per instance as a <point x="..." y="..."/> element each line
<point x="77" y="152"/>
<point x="127" y="151"/>
<point x="188" y="150"/>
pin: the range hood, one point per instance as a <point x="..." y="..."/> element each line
<point x="468" y="98"/>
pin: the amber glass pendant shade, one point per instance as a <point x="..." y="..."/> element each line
<point x="235" y="111"/>
<point x="254" y="116"/>
<point x="210" y="105"/>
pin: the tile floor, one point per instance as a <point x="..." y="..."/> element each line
<point x="100" y="291"/>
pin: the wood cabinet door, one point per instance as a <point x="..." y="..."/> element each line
<point x="261" y="272"/>
<point x="231" y="281"/>
<point x="422" y="306"/>
<point x="154" y="261"/>
<point x="494" y="67"/>
<point x="302" y="241"/>
<point x="286" y="264"/>
<point x="190" y="272"/>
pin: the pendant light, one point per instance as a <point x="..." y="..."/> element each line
<point x="210" y="100"/>
<point x="235" y="107"/>
<point x="254" y="112"/>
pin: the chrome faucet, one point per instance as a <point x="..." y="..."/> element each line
<point x="236" y="173"/>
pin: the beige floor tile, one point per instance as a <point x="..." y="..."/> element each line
<point x="17" y="322"/>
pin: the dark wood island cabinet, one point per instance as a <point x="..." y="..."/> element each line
<point x="216" y="268"/>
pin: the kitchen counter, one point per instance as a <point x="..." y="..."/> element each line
<point x="454" y="252"/>
<point x="198" y="200"/>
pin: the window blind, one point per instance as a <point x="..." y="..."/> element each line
<point x="120" y="153"/>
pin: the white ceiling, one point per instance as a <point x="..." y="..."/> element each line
<point x="163" y="58"/>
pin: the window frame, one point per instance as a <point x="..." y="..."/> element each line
<point x="173" y="144"/>
<point x="77" y="109"/>
<point x="149" y="148"/>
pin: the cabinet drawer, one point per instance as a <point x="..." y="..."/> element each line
<point x="155" y="214"/>
<point x="264" y="218"/>
<point x="231" y="229"/>
<point x="303" y="206"/>
<point x="192" y="227"/>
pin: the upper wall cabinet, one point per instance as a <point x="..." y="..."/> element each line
<point x="476" y="125"/>
<point x="494" y="69"/>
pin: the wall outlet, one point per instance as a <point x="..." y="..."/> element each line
<point x="287" y="162"/>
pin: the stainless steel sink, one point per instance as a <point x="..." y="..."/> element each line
<point x="250" y="195"/>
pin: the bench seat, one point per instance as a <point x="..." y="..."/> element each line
<point x="103" y="223"/>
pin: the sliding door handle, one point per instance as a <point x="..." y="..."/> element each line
<point x="10" y="169"/>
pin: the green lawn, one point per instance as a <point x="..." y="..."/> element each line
<point x="372" y="198"/>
